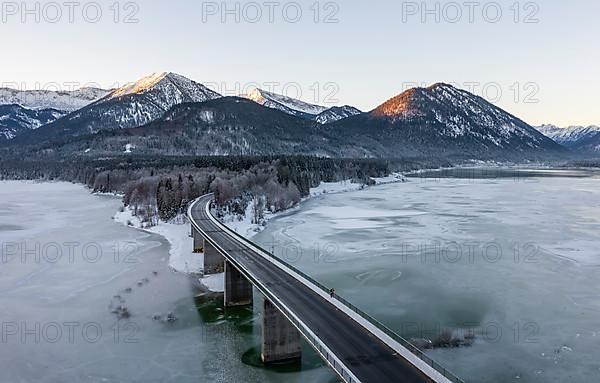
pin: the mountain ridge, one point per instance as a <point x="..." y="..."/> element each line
<point x="583" y="139"/>
<point x="168" y="114"/>
<point x="67" y="101"/>
<point x="302" y="109"/>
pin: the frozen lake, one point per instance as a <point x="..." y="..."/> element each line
<point x="513" y="262"/>
<point x="61" y="280"/>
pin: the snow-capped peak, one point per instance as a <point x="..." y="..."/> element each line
<point x="458" y="113"/>
<point x="410" y="102"/>
<point x="570" y="135"/>
<point x="140" y="86"/>
<point x="337" y="113"/>
<point x="180" y="87"/>
<point x="285" y="104"/>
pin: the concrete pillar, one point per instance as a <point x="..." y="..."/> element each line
<point x="238" y="289"/>
<point x="280" y="339"/>
<point x="214" y="262"/>
<point x="198" y="241"/>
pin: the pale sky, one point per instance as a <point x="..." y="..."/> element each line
<point x="544" y="72"/>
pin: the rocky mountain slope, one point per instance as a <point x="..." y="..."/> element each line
<point x="285" y="104"/>
<point x="16" y="120"/>
<point x="336" y="113"/>
<point x="294" y="107"/>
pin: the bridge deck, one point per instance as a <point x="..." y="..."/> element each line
<point x="366" y="356"/>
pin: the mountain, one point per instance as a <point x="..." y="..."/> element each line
<point x="130" y="106"/>
<point x="436" y="122"/>
<point x="571" y="137"/>
<point x="285" y="104"/>
<point x="46" y="99"/>
<point x="223" y="126"/>
<point x="294" y="107"/>
<point x="439" y="119"/>
<point x="336" y="113"/>
<point x="588" y="145"/>
<point x="15" y="120"/>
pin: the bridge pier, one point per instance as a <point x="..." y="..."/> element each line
<point x="238" y="289"/>
<point x="280" y="339"/>
<point x="214" y="262"/>
<point x="198" y="241"/>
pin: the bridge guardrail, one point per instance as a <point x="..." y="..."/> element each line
<point x="405" y="343"/>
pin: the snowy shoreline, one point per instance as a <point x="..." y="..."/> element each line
<point x="177" y="232"/>
<point x="181" y="257"/>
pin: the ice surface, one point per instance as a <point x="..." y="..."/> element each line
<point x="550" y="290"/>
<point x="204" y="344"/>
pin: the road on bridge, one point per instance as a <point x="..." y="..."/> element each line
<point x="366" y="356"/>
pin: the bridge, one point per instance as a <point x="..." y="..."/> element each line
<point x="357" y="347"/>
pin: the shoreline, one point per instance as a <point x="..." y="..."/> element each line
<point x="183" y="260"/>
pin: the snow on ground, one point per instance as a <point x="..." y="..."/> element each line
<point x="244" y="225"/>
<point x="392" y="178"/>
<point x="347" y="186"/>
<point x="181" y="257"/>
<point x="335" y="187"/>
<point x="214" y="282"/>
<point x="129" y="148"/>
<point x="108" y="194"/>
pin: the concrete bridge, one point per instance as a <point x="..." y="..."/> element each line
<point x="354" y="345"/>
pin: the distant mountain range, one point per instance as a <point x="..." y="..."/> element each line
<point x="24" y="111"/>
<point x="577" y="138"/>
<point x="169" y="114"/>
<point x="46" y="99"/>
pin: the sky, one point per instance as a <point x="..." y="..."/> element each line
<point x="538" y="60"/>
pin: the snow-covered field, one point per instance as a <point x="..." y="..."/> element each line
<point x="181" y="257"/>
<point x="348" y="186"/>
